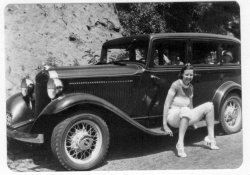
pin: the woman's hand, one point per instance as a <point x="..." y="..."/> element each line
<point x="167" y="130"/>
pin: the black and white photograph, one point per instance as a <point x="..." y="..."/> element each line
<point x="124" y="86"/>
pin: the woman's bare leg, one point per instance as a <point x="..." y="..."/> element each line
<point x="182" y="130"/>
<point x="209" y="140"/>
<point x="206" y="109"/>
<point x="210" y="123"/>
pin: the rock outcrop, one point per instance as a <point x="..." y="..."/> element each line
<point x="61" y="34"/>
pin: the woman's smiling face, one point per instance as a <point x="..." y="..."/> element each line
<point x="187" y="76"/>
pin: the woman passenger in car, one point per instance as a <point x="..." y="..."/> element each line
<point x="227" y="57"/>
<point x="179" y="112"/>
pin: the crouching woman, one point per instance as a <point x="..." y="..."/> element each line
<point x="179" y="112"/>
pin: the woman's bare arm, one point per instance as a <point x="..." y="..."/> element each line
<point x="167" y="104"/>
<point x="191" y="103"/>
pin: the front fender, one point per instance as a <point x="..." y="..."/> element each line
<point x="19" y="109"/>
<point x="222" y="92"/>
<point x="70" y="100"/>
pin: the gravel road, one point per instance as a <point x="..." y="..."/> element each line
<point x="141" y="152"/>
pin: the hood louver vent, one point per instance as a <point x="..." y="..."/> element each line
<point x="113" y="91"/>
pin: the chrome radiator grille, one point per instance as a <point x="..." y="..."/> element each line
<point x="42" y="98"/>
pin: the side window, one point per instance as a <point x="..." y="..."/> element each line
<point x="117" y="54"/>
<point x="230" y="53"/>
<point x="205" y="52"/>
<point x="138" y="54"/>
<point x="169" y="52"/>
<point x="141" y="54"/>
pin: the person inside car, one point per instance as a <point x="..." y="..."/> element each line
<point x="227" y="57"/>
<point x="177" y="61"/>
<point x="175" y="58"/>
<point x="179" y="112"/>
<point x="166" y="57"/>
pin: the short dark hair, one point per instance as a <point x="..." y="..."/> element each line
<point x="187" y="66"/>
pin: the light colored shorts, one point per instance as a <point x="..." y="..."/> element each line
<point x="194" y="115"/>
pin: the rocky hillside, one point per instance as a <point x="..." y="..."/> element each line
<point x="61" y="34"/>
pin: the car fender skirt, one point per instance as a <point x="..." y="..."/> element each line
<point x="70" y="100"/>
<point x="222" y="92"/>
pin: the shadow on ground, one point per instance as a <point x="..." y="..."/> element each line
<point x="141" y="144"/>
<point x="127" y="146"/>
<point x="30" y="157"/>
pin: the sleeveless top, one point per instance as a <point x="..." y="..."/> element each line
<point x="182" y="94"/>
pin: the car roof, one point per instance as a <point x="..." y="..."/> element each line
<point x="194" y="35"/>
<point x="147" y="37"/>
<point x="127" y="40"/>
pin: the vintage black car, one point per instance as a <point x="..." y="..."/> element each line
<point x="76" y="108"/>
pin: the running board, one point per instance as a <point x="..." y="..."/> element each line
<point x="159" y="130"/>
<point x="202" y="123"/>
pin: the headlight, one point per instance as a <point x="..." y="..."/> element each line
<point x="54" y="88"/>
<point x="27" y="87"/>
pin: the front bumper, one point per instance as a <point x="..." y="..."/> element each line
<point x="25" y="137"/>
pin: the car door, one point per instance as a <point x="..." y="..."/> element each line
<point x="166" y="59"/>
<point x="208" y="75"/>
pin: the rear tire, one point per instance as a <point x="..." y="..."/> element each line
<point x="231" y="114"/>
<point x="80" y="142"/>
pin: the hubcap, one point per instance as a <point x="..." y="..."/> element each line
<point x="83" y="141"/>
<point x="232" y="112"/>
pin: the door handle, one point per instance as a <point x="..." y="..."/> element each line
<point x="197" y="75"/>
<point x="197" y="78"/>
<point x="154" y="77"/>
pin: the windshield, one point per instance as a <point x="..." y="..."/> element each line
<point x="131" y="52"/>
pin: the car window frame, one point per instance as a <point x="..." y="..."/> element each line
<point x="205" y="40"/>
<point x="150" y="60"/>
<point x="104" y="54"/>
<point x="239" y="52"/>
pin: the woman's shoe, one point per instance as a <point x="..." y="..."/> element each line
<point x="210" y="143"/>
<point x="180" y="151"/>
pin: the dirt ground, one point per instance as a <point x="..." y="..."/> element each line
<point x="141" y="152"/>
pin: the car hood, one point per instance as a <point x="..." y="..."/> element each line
<point x="95" y="71"/>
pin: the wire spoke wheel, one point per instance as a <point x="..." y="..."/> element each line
<point x="231" y="114"/>
<point x="83" y="141"/>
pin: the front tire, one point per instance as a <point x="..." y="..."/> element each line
<point x="231" y="114"/>
<point x="80" y="142"/>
